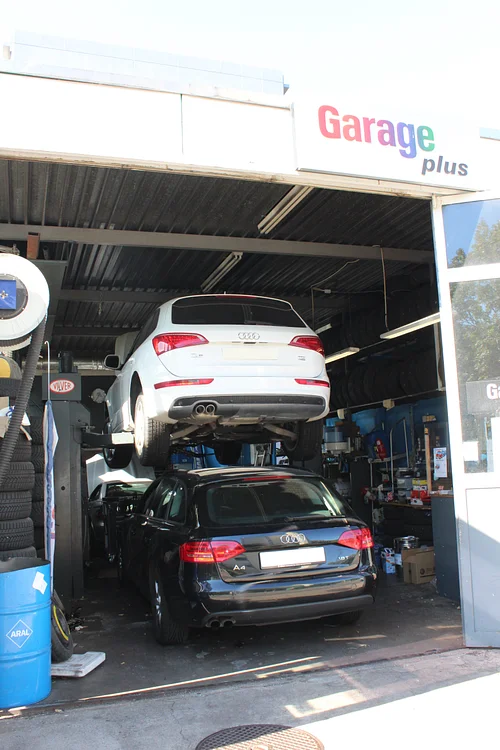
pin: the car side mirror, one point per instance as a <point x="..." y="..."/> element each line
<point x="112" y="362"/>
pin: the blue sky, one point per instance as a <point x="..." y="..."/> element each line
<point x="442" y="53"/>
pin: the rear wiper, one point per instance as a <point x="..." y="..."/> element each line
<point x="289" y="519"/>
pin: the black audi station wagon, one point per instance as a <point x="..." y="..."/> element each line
<point x="245" y="546"/>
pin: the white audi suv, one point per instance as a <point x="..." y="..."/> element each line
<point x="218" y="370"/>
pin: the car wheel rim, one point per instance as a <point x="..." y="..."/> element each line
<point x="139" y="428"/>
<point x="157" y="603"/>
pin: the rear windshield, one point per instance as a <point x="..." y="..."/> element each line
<point x="118" y="490"/>
<point x="234" y="311"/>
<point x="253" y="503"/>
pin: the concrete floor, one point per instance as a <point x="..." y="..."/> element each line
<point x="440" y="700"/>
<point x="405" y="621"/>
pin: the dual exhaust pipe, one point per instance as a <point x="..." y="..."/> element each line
<point x="220" y="622"/>
<point x="204" y="409"/>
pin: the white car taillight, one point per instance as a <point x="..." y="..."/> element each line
<point x="166" y="342"/>
<point x="309" y="342"/>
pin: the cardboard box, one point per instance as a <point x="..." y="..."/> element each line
<point x="418" y="565"/>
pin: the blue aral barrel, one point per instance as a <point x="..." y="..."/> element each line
<point x="24" y="632"/>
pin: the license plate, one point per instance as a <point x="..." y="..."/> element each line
<point x="249" y="353"/>
<point x="289" y="557"/>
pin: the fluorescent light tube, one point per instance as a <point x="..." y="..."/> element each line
<point x="430" y="320"/>
<point x="229" y="262"/>
<point x="276" y="215"/>
<point x="324" y="328"/>
<point x="341" y="354"/>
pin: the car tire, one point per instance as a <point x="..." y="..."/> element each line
<point x="7" y="554"/>
<point x="38" y="513"/>
<point x="166" y="630"/>
<point x="38" y="493"/>
<point x="151" y="437"/>
<point x="16" y="534"/>
<point x="38" y="458"/>
<point x="36" y="430"/>
<point x="119" y="457"/>
<point x="308" y="442"/>
<point x="9" y="387"/>
<point x="14" y="505"/>
<point x="228" y="453"/>
<point x="22" y="449"/>
<point x="60" y="634"/>
<point x="20" y="478"/>
<point x="348" y="618"/>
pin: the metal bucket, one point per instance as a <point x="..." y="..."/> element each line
<point x="24" y="632"/>
<point x="405" y="542"/>
<point x="401" y="543"/>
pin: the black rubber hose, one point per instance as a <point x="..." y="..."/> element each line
<point x="9" y="442"/>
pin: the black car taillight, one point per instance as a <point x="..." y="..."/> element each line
<point x="209" y="552"/>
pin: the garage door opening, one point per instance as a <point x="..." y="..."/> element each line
<point x="359" y="270"/>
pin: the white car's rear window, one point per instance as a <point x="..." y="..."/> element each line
<point x="236" y="311"/>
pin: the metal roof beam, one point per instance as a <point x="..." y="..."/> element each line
<point x="116" y="295"/>
<point x="97" y="332"/>
<point x="117" y="237"/>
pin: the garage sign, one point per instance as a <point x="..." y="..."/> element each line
<point x="483" y="397"/>
<point x="385" y="142"/>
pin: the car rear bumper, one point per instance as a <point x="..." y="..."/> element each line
<point x="242" y="406"/>
<point x="288" y="613"/>
<point x="272" y="601"/>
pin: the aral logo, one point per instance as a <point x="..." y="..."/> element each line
<point x="404" y="136"/>
<point x="62" y="386"/>
<point x="19" y="634"/>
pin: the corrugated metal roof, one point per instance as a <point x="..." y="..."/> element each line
<point x="78" y="196"/>
<point x="70" y="195"/>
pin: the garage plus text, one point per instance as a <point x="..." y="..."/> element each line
<point x="405" y="136"/>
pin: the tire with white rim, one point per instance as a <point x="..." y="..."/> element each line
<point x="151" y="437"/>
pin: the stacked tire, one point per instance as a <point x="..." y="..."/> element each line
<point x="16" y="526"/>
<point x="38" y="458"/>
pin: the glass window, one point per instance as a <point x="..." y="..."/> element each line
<point x="253" y="503"/>
<point x="178" y="504"/>
<point x="472" y="233"/>
<point x="163" y="497"/>
<point x="122" y="489"/>
<point x="228" y="310"/>
<point x="476" y="321"/>
<point x="149" y="499"/>
<point x="95" y="493"/>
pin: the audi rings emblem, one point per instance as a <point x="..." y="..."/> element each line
<point x="292" y="538"/>
<point x="248" y="336"/>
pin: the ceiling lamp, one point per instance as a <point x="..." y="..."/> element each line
<point x="430" y="320"/>
<point x="222" y="270"/>
<point x="341" y="354"/>
<point x="283" y="208"/>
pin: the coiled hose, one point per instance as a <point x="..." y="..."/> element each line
<point x="9" y="442"/>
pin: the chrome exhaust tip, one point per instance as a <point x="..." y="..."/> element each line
<point x="200" y="409"/>
<point x="210" y="409"/>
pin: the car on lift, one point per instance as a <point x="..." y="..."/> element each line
<point x="245" y="546"/>
<point x="219" y="370"/>
<point x="107" y="504"/>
